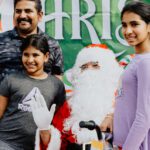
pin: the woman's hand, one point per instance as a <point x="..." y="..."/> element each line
<point x="107" y="123"/>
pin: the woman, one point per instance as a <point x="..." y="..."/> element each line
<point x="132" y="110"/>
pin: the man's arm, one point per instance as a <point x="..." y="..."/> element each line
<point x="3" y="105"/>
<point x="55" y="63"/>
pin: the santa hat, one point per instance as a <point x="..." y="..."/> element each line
<point x="92" y="53"/>
<point x="97" y="53"/>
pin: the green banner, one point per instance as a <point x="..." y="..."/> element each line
<point x="77" y="23"/>
<point x="84" y="22"/>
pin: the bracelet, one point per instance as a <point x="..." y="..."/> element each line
<point x="109" y="116"/>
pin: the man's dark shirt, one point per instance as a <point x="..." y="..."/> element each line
<point x="10" y="54"/>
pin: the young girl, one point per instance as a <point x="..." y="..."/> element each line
<point x="17" y="127"/>
<point x="132" y="110"/>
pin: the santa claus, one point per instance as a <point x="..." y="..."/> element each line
<point x="94" y="78"/>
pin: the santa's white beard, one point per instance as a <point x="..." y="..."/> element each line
<point x="92" y="100"/>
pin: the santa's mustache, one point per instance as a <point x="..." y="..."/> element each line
<point x="24" y="19"/>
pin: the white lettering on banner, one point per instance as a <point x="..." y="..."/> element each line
<point x="122" y="41"/>
<point x="42" y="23"/>
<point x="106" y="32"/>
<point x="58" y="15"/>
<point x="76" y="20"/>
<point x="6" y="11"/>
<point x="121" y="4"/>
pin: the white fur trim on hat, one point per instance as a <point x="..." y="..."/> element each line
<point x="54" y="143"/>
<point x="89" y="54"/>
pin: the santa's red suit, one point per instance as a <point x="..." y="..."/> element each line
<point x="58" y="121"/>
<point x="59" y="138"/>
<point x="91" y="100"/>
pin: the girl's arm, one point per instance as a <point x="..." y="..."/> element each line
<point x="141" y="124"/>
<point x="3" y="105"/>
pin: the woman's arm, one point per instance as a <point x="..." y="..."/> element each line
<point x="141" y="123"/>
<point x="107" y="123"/>
<point x="3" y="105"/>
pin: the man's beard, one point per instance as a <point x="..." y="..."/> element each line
<point x="92" y="98"/>
<point x="22" y="29"/>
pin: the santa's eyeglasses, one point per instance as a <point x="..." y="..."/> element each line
<point x="92" y="65"/>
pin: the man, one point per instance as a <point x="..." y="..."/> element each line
<point x="27" y="15"/>
<point x="94" y="77"/>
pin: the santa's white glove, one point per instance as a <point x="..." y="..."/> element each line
<point x="41" y="115"/>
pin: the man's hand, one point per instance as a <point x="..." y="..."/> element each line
<point x="107" y="123"/>
<point x="41" y="115"/>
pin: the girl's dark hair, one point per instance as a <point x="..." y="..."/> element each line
<point x="38" y="41"/>
<point x="38" y="4"/>
<point x="140" y="8"/>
